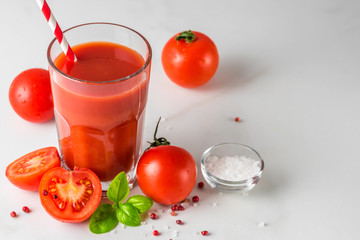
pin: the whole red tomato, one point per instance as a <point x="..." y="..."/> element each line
<point x="165" y="173"/>
<point x="30" y="95"/>
<point x="190" y="59"/>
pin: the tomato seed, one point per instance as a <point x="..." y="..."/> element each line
<point x="61" y="205"/>
<point x="201" y="184"/>
<point x="155" y="232"/>
<point x="26" y="209"/>
<point x="195" y="199"/>
<point x="179" y="222"/>
<point x="45" y="192"/>
<point x="153" y="216"/>
<point x="75" y="206"/>
<point x="204" y="233"/>
<point x="13" y="214"/>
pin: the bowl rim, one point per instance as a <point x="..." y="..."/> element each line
<point x="230" y="182"/>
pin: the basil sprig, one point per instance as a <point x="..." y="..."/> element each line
<point x="106" y="216"/>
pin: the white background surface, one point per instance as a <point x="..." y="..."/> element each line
<point x="288" y="68"/>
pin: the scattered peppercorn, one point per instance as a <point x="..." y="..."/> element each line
<point x="195" y="199"/>
<point x="179" y="222"/>
<point x="174" y="207"/>
<point x="26" y="209"/>
<point x="204" y="233"/>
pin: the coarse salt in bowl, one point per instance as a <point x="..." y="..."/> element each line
<point x="232" y="167"/>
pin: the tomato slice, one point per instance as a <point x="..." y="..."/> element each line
<point x="70" y="196"/>
<point x="26" y="172"/>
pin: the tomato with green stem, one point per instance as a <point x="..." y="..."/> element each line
<point x="190" y="59"/>
<point x="167" y="174"/>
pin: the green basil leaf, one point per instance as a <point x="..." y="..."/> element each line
<point x="119" y="188"/>
<point x="103" y="219"/>
<point x="142" y="203"/>
<point x="128" y="215"/>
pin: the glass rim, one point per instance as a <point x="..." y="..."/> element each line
<point x="144" y="66"/>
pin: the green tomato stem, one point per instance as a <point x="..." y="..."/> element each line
<point x="188" y="36"/>
<point x="158" y="141"/>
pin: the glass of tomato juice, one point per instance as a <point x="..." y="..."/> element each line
<point x="100" y="99"/>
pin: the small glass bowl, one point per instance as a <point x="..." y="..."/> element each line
<point x="231" y="149"/>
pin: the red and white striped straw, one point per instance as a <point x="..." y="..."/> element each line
<point x="56" y="30"/>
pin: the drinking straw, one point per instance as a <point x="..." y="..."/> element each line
<point x="56" y="30"/>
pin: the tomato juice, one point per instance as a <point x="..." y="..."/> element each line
<point x="99" y="106"/>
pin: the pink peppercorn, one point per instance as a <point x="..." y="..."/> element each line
<point x="204" y="233"/>
<point x="155" y="232"/>
<point x="179" y="222"/>
<point x="26" y="209"/>
<point x="195" y="199"/>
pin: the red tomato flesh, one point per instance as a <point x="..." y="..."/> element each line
<point x="26" y="172"/>
<point x="70" y="196"/>
<point x="166" y="174"/>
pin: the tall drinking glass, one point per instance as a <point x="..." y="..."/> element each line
<point x="100" y="99"/>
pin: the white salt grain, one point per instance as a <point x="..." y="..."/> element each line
<point x="262" y="224"/>
<point x="185" y="205"/>
<point x="175" y="233"/>
<point x="232" y="168"/>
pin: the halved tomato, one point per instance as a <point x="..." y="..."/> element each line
<point x="26" y="172"/>
<point x="70" y="196"/>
